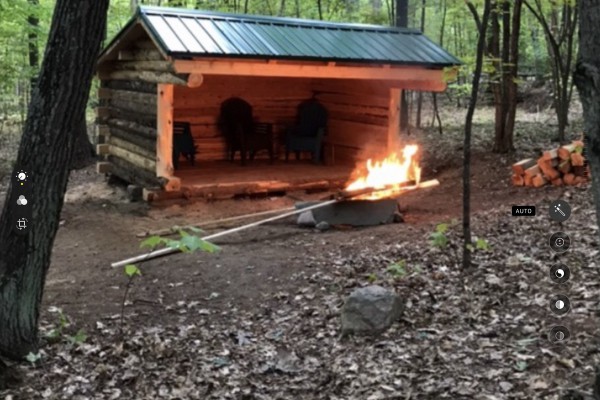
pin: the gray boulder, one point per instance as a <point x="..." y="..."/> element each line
<point x="370" y="310"/>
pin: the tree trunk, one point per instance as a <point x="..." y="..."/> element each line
<point x="420" y="94"/>
<point x="587" y="80"/>
<point x="83" y="153"/>
<point x="45" y="154"/>
<point x="34" y="55"/>
<point x="467" y="241"/>
<point x="402" y="13"/>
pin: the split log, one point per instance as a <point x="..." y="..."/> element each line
<point x="133" y="127"/>
<point x="579" y="180"/>
<point x="578" y="143"/>
<point x="557" y="182"/>
<point x="528" y="180"/>
<point x="518" y="180"/>
<point x="569" y="179"/>
<point x="564" y="153"/>
<point x="547" y="170"/>
<point x="538" y="181"/>
<point x="550" y="154"/>
<point x="533" y="171"/>
<point x="520" y="167"/>
<point x="577" y="160"/>
<point x="579" y="171"/>
<point x="564" y="167"/>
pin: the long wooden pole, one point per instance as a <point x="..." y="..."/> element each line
<point x="169" y="250"/>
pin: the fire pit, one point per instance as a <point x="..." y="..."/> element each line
<point x="380" y="182"/>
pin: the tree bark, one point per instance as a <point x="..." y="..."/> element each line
<point x="587" y="80"/>
<point x="467" y="141"/>
<point x="34" y="55"/>
<point x="45" y="154"/>
<point x="402" y="13"/>
<point x="420" y="94"/>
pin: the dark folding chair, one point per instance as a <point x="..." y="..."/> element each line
<point x="236" y="123"/>
<point x="309" y="131"/>
<point x="183" y="143"/>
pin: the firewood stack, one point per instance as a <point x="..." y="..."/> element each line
<point x="565" y="165"/>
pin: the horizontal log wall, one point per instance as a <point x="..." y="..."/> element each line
<point x="358" y="117"/>
<point x="274" y="100"/>
<point x="127" y="129"/>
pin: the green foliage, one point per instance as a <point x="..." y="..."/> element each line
<point x="398" y="269"/>
<point x="58" y="332"/>
<point x="372" y="278"/>
<point x="482" y="244"/>
<point x="187" y="243"/>
<point x="438" y="237"/>
<point x="132" y="270"/>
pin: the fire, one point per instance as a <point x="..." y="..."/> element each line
<point x="391" y="173"/>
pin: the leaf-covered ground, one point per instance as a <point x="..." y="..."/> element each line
<point x="260" y="320"/>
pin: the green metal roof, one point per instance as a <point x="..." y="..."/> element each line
<point x="187" y="34"/>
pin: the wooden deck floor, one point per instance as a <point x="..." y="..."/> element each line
<point x="222" y="179"/>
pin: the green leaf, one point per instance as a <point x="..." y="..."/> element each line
<point x="398" y="269"/>
<point x="441" y="228"/>
<point x="33" y="357"/>
<point x="151" y="242"/>
<point x="194" y="229"/>
<point x="79" y="337"/>
<point x="191" y="243"/>
<point x="131" y="270"/>
<point x="439" y="239"/>
<point x="372" y="278"/>
<point x="209" y="247"/>
<point x="482" y="244"/>
<point x="470" y="248"/>
<point x="183" y="233"/>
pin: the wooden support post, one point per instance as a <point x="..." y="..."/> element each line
<point x="393" y="136"/>
<point x="164" y="140"/>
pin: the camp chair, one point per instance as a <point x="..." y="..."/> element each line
<point x="241" y="133"/>
<point x="309" y="131"/>
<point x="183" y="143"/>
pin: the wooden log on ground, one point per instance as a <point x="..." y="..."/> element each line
<point x="579" y="170"/>
<point x="528" y="180"/>
<point x="539" y="181"/>
<point x="578" y="143"/>
<point x="569" y="179"/>
<point x="577" y="160"/>
<point x="550" y="154"/>
<point x="579" y="180"/>
<point x="557" y="182"/>
<point x="533" y="171"/>
<point x="133" y="127"/>
<point x="564" y="167"/>
<point x="548" y="171"/>
<point x="564" y="153"/>
<point x="518" y="180"/>
<point x="520" y="167"/>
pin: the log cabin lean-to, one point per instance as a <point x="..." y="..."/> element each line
<point x="170" y="66"/>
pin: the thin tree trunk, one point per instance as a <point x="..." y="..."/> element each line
<point x="587" y="80"/>
<point x="34" y="57"/>
<point x="420" y="94"/>
<point x="45" y="154"/>
<point x="467" y="243"/>
<point x="320" y="8"/>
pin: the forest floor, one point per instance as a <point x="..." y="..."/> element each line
<point x="260" y="318"/>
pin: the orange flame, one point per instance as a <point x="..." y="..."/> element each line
<point x="389" y="174"/>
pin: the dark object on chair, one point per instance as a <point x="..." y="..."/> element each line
<point x="309" y="131"/>
<point x="241" y="133"/>
<point x="183" y="143"/>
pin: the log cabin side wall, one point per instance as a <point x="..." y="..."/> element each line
<point x="274" y="100"/>
<point x="358" y="118"/>
<point x="127" y="130"/>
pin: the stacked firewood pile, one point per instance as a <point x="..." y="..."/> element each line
<point x="565" y="165"/>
